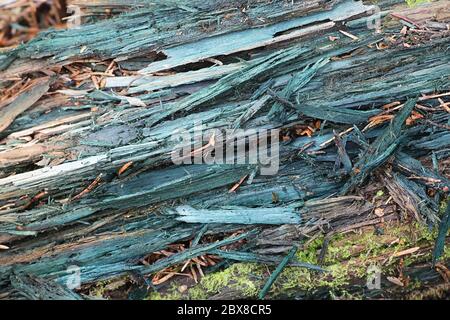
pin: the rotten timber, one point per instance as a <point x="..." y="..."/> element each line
<point x="86" y="173"/>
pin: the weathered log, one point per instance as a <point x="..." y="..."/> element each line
<point x="87" y="176"/>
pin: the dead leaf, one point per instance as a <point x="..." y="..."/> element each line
<point x="395" y="281"/>
<point x="404" y="30"/>
<point x="379" y="212"/>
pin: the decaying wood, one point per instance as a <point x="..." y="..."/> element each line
<point x="21" y="103"/>
<point x="33" y="288"/>
<point x="88" y="118"/>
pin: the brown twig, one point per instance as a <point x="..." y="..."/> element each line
<point x="398" y="16"/>
<point x="124" y="168"/>
<point x="237" y="185"/>
<point x="34" y="199"/>
<point x="89" y="188"/>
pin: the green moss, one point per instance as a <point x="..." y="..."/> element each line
<point x="413" y="3"/>
<point x="198" y="293"/>
<point x="98" y="290"/>
<point x="365" y="246"/>
<point x="102" y="287"/>
<point x="349" y="256"/>
<point x="308" y="254"/>
<point x="293" y="277"/>
<point x="171" y="293"/>
<point x="379" y="193"/>
<point x="347" y="260"/>
<point x="338" y="277"/>
<point x="337" y="274"/>
<point x="424" y="233"/>
<point x="337" y="253"/>
<point x="444" y="204"/>
<point x="248" y="287"/>
<point x="345" y="295"/>
<point x="415" y="284"/>
<point x="245" y="278"/>
<point x="446" y="254"/>
<point x="213" y="282"/>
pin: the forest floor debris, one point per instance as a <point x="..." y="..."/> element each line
<point x="358" y="115"/>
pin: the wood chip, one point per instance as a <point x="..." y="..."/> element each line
<point x="395" y="281"/>
<point x="163" y="279"/>
<point x="348" y="34"/>
<point x="405" y="252"/>
<point x="24" y="101"/>
<point x="136" y="102"/>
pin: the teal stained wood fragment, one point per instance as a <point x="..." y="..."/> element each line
<point x="35" y="288"/>
<point x="277" y="272"/>
<point x="262" y="69"/>
<point x="423" y="206"/>
<point x="412" y="167"/>
<point x="443" y="230"/>
<point x="199" y="235"/>
<point x="239" y="215"/>
<point x="381" y="149"/>
<point x="298" y="81"/>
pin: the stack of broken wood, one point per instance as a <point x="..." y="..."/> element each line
<point x="358" y="93"/>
